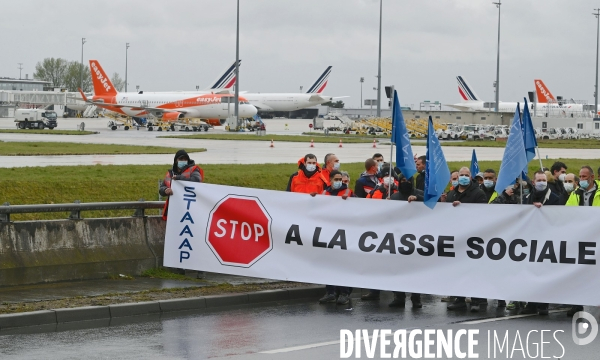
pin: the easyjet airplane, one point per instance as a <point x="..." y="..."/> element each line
<point x="167" y="106"/>
<point x="546" y="101"/>
<point x="292" y="101"/>
<point x="219" y="85"/>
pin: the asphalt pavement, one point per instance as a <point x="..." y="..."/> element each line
<point x="293" y="330"/>
<point x="229" y="152"/>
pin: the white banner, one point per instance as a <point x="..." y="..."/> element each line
<point x="512" y="252"/>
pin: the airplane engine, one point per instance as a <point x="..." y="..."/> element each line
<point x="215" y="122"/>
<point x="172" y="116"/>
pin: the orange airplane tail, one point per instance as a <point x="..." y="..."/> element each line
<point x="102" y="84"/>
<point x="543" y="94"/>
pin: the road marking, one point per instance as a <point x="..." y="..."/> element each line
<point x="303" y="347"/>
<point x="336" y="342"/>
<point x="474" y="322"/>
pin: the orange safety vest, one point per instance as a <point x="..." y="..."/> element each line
<point x="348" y="192"/>
<point x="378" y="194"/>
<point x="185" y="175"/>
<point x="302" y="184"/>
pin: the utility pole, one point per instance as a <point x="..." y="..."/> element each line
<point x="81" y="69"/>
<point x="126" y="48"/>
<point x="362" y="80"/>
<point x="237" y="67"/>
<point x="498" y="60"/>
<point x="21" y="68"/>
<point x="597" y="14"/>
<point x="379" y="67"/>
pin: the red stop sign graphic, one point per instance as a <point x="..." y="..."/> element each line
<point x="239" y="230"/>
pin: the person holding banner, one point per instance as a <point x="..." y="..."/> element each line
<point x="489" y="183"/>
<point x="367" y="180"/>
<point x="571" y="183"/>
<point x="420" y="163"/>
<point x="308" y="178"/>
<point x="467" y="192"/>
<point x="183" y="169"/>
<point x="381" y="191"/>
<point x="559" y="172"/>
<point x="337" y="187"/>
<point x="330" y="163"/>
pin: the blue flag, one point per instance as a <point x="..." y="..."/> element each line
<point x="474" y="165"/>
<point x="514" y="159"/>
<point x="437" y="173"/>
<point x="404" y="155"/>
<point x="528" y="136"/>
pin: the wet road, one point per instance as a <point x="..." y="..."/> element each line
<point x="229" y="152"/>
<point x="285" y="331"/>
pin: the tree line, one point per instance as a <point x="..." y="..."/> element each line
<point x="70" y="75"/>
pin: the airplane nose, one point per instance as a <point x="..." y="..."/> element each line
<point x="249" y="110"/>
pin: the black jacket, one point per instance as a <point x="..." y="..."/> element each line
<point x="420" y="181"/>
<point x="472" y="195"/>
<point x="557" y="187"/>
<point x="404" y="197"/>
<point x="546" y="197"/>
<point x="488" y="192"/>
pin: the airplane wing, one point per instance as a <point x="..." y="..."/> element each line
<point x="458" y="107"/>
<point x="318" y="97"/>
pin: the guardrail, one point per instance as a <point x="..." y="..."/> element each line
<point x="77" y="207"/>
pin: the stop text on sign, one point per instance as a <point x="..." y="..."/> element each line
<point x="239" y="231"/>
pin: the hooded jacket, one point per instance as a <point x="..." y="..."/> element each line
<point x="472" y="195"/>
<point x="365" y="184"/>
<point x="190" y="172"/>
<point x="306" y="182"/>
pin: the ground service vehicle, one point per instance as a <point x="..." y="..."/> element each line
<point x="35" y="119"/>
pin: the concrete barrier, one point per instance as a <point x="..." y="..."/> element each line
<point x="60" y="250"/>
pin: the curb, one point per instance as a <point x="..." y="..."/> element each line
<point x="60" y="316"/>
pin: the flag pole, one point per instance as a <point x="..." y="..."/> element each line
<point x="537" y="150"/>
<point x="393" y="92"/>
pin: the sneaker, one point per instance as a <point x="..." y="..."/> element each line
<point x="574" y="309"/>
<point x="513" y="305"/>
<point x="474" y="307"/>
<point x="343" y="299"/>
<point x="370" y="296"/>
<point x="328" y="298"/>
<point x="456" y="305"/>
<point x="501" y="303"/>
<point x="448" y="299"/>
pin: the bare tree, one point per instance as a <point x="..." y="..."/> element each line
<point x="53" y="70"/>
<point x="118" y="82"/>
<point x="72" y="77"/>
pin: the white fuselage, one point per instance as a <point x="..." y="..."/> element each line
<point x="285" y="102"/>
<point x="191" y="104"/>
<point x="511" y="106"/>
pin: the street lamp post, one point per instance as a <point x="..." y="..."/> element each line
<point x="126" y="48"/>
<point x="498" y="60"/>
<point x="20" y="68"/>
<point x="301" y="88"/>
<point x="237" y="66"/>
<point x="379" y="67"/>
<point x="197" y="87"/>
<point x="81" y="69"/>
<point x="362" y="80"/>
<point x="597" y="13"/>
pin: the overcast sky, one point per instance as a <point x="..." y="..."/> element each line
<point x="284" y="44"/>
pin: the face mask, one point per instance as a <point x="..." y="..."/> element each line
<point x="387" y="181"/>
<point x="182" y="164"/>
<point x="488" y="184"/>
<point x="541" y="185"/>
<point x="569" y="187"/>
<point x="379" y="166"/>
<point x="561" y="177"/>
<point x="455" y="183"/>
<point x="311" y="167"/>
<point x="336" y="184"/>
<point x="525" y="192"/>
<point x="464" y="180"/>
<point x="584" y="184"/>
<point x="336" y="166"/>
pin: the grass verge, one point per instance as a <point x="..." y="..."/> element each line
<point x="47" y="132"/>
<point x="60" y="148"/>
<point x="288" y="138"/>
<point x="102" y="183"/>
